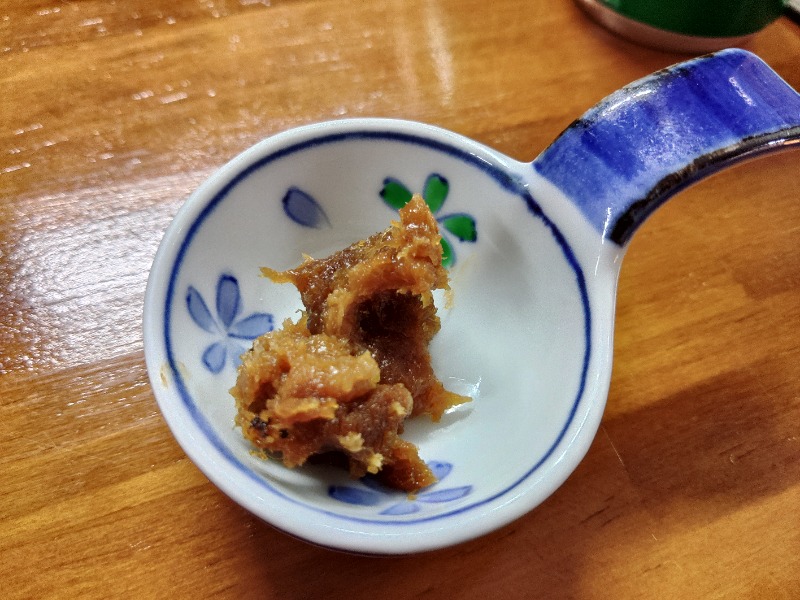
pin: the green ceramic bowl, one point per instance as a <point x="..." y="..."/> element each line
<point x="691" y="26"/>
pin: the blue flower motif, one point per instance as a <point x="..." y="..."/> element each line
<point x="301" y="208"/>
<point x="225" y="326"/>
<point x="392" y="502"/>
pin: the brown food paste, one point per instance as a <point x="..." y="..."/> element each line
<point x="344" y="378"/>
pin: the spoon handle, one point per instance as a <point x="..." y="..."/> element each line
<point x="636" y="148"/>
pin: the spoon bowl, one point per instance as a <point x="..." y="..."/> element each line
<point x="533" y="251"/>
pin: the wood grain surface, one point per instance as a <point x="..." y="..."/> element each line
<point x="112" y="112"/>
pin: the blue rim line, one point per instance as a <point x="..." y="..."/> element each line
<point x="500" y="176"/>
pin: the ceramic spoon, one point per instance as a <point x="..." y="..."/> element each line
<point x="535" y="250"/>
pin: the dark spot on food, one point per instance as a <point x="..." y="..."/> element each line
<point x="259" y="425"/>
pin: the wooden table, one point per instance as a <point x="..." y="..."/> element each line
<point x="113" y="112"/>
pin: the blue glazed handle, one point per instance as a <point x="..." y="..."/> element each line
<point x="644" y="143"/>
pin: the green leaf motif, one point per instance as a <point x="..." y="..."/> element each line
<point x="462" y="226"/>
<point x="448" y="256"/>
<point x="435" y="191"/>
<point x="395" y="194"/>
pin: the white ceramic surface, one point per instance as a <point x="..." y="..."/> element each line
<point x="528" y="335"/>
